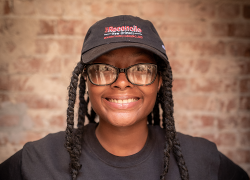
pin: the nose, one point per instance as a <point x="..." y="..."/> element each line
<point x="122" y="82"/>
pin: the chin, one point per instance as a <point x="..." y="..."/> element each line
<point x="121" y="121"/>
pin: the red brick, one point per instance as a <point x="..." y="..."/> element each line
<point x="233" y="67"/>
<point x="239" y="49"/>
<point x="240" y="30"/>
<point x="9" y="120"/>
<point x="244" y="122"/>
<point x="201" y="48"/>
<point x="51" y="66"/>
<point x="38" y="120"/>
<point x="24" y="7"/>
<point x="246" y="11"/>
<point x="3" y="139"/>
<point x="30" y="136"/>
<point x="155" y="9"/>
<point x="72" y="27"/>
<point x="7" y="7"/>
<point x="180" y="85"/>
<point x="226" y="139"/>
<point x="181" y="122"/>
<point x="245" y="103"/>
<point x="14" y="83"/>
<point x="58" y="121"/>
<point x="214" y="85"/>
<point x="180" y="102"/>
<point x="128" y="8"/>
<point x="220" y="29"/>
<point x="245" y="139"/>
<point x="68" y="66"/>
<point x="102" y="9"/>
<point x="200" y="66"/>
<point x="245" y="85"/>
<point x="199" y="102"/>
<point x="244" y="67"/>
<point x="168" y="29"/>
<point x="186" y="9"/>
<point x="203" y="121"/>
<point x="180" y="66"/>
<point x="2" y="3"/>
<point x="228" y="11"/>
<point x="228" y="122"/>
<point x="239" y="156"/>
<point x="66" y="27"/>
<point x="4" y="98"/>
<point x="231" y="30"/>
<point x="26" y="65"/>
<point x="76" y="8"/>
<point x="35" y="101"/>
<point x="227" y="103"/>
<point x="48" y="7"/>
<point x="3" y="66"/>
<point x="46" y="27"/>
<point x="79" y="44"/>
<point x="36" y="65"/>
<point x="59" y="46"/>
<point x="171" y="48"/>
<point x="10" y="46"/>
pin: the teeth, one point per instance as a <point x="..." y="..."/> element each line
<point x="120" y="101"/>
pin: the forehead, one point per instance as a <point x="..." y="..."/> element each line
<point x="126" y="57"/>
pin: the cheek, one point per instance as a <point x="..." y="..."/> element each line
<point x="95" y="93"/>
<point x="150" y="94"/>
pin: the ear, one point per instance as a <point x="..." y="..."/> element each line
<point x="159" y="83"/>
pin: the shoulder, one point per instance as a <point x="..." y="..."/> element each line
<point x="201" y="155"/>
<point x="201" y="145"/>
<point x="46" y="158"/>
<point x="55" y="140"/>
<point x="187" y="142"/>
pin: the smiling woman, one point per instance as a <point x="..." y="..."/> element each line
<point x="129" y="79"/>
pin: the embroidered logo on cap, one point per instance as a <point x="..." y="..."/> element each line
<point x="123" y="31"/>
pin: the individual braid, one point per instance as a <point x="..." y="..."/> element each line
<point x="73" y="139"/>
<point x="156" y="112"/>
<point x="172" y="143"/>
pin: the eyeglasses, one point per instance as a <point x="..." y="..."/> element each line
<point x="138" y="74"/>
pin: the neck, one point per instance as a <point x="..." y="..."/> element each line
<point x="122" y="141"/>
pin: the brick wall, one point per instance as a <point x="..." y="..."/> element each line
<point x="208" y="44"/>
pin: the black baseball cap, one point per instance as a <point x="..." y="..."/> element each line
<point x="121" y="31"/>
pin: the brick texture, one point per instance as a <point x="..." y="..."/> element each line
<point x="207" y="42"/>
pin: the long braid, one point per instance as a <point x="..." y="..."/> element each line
<point x="72" y="140"/>
<point x="156" y="113"/>
<point x="172" y="143"/>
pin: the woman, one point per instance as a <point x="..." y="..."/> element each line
<point x="126" y="71"/>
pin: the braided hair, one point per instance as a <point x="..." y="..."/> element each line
<point x="164" y="99"/>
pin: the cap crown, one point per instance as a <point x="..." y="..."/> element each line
<point x="123" y="29"/>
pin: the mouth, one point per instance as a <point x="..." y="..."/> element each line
<point x="122" y="101"/>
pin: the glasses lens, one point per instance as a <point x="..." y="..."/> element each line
<point x="142" y="74"/>
<point x="101" y="74"/>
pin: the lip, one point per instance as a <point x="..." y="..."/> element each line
<point x="121" y="105"/>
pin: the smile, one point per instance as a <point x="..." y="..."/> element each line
<point x="122" y="101"/>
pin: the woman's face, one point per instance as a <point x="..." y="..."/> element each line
<point x="123" y="104"/>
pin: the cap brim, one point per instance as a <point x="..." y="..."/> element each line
<point x="94" y="53"/>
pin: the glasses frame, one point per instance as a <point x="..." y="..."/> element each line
<point x="119" y="70"/>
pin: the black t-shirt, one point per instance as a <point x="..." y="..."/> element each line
<point x="48" y="159"/>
